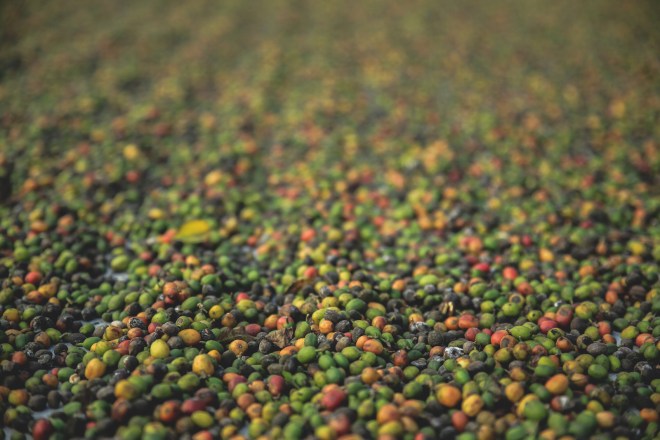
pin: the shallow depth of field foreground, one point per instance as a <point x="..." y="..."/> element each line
<point x="329" y="220"/>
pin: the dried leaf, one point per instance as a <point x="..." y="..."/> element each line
<point x="299" y="285"/>
<point x="447" y="308"/>
<point x="280" y="337"/>
<point x="193" y="231"/>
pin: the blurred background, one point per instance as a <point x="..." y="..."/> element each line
<point x="173" y="91"/>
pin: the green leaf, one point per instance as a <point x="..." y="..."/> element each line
<point x="193" y="231"/>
